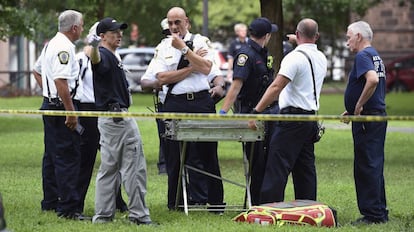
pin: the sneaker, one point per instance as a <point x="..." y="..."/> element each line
<point x="143" y="223"/>
<point x="101" y="220"/>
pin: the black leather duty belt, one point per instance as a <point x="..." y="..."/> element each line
<point x="191" y="96"/>
<point x="295" y="110"/>
<point x="372" y="112"/>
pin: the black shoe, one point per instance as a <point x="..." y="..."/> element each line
<point x="162" y="170"/>
<point x="141" y="223"/>
<point x="365" y="221"/>
<point x="217" y="208"/>
<point x="2" y="220"/>
<point x="73" y="216"/>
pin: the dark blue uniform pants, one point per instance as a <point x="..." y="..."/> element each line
<point x="369" y="139"/>
<point x="161" y="131"/>
<point x="258" y="159"/>
<point x="61" y="163"/>
<point x="89" y="146"/>
<point x="202" y="155"/>
<point x="291" y="150"/>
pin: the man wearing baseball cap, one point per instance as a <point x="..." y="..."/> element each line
<point x="252" y="74"/>
<point x="122" y="157"/>
<point x="109" y="24"/>
<point x="262" y="26"/>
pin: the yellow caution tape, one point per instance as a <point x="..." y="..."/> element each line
<point x="211" y="116"/>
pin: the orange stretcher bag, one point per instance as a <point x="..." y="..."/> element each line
<point x="299" y="212"/>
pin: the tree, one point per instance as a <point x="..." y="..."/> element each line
<point x="272" y="9"/>
<point x="332" y="16"/>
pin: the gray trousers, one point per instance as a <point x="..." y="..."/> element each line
<point x="122" y="159"/>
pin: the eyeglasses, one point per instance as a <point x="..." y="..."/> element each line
<point x="176" y="22"/>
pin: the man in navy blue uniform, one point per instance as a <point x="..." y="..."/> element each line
<point x="252" y="74"/>
<point x="297" y="86"/>
<point x="365" y="95"/>
<point x="56" y="70"/>
<point x="240" y="29"/>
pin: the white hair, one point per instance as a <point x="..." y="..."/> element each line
<point x="362" y="28"/>
<point x="240" y="26"/>
<point x="68" y="18"/>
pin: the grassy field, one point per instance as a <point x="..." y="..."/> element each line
<point x="21" y="151"/>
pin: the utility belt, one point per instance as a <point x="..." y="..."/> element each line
<point x="87" y="106"/>
<point x="54" y="102"/>
<point x="116" y="107"/>
<point x="191" y="96"/>
<point x="372" y="112"/>
<point x="295" y="110"/>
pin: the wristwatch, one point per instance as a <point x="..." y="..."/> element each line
<point x="184" y="50"/>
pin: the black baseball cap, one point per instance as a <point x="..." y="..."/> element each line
<point x="109" y="24"/>
<point x="261" y="26"/>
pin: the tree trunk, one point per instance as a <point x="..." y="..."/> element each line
<point x="272" y="9"/>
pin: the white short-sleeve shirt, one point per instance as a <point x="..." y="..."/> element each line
<point x="167" y="58"/>
<point x="295" y="66"/>
<point x="86" y="76"/>
<point x="57" y="61"/>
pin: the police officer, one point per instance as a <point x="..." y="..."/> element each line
<point x="189" y="94"/>
<point x="252" y="74"/>
<point x="59" y="71"/>
<point x="365" y="95"/>
<point x="297" y="86"/>
<point x="240" y="29"/>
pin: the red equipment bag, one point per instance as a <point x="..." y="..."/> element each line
<point x="299" y="212"/>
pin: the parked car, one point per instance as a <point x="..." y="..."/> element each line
<point x="400" y="74"/>
<point x="136" y="61"/>
<point x="221" y="61"/>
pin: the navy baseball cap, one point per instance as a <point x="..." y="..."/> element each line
<point x="261" y="26"/>
<point x="109" y="24"/>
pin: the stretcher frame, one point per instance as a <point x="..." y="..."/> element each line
<point x="191" y="130"/>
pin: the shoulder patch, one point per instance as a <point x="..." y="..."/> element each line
<point x="241" y="60"/>
<point x="63" y="57"/>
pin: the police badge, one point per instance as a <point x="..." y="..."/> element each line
<point x="63" y="57"/>
<point x="241" y="60"/>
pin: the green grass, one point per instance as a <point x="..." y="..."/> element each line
<point x="21" y="151"/>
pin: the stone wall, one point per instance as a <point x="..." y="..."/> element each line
<point x="393" y="24"/>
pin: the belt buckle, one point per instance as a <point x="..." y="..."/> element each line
<point x="190" y="96"/>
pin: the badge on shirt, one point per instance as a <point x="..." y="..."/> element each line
<point x="63" y="57"/>
<point x="241" y="60"/>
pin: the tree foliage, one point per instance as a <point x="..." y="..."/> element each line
<point x="37" y="19"/>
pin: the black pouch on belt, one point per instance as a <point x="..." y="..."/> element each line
<point x="115" y="107"/>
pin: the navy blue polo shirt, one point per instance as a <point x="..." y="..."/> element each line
<point x="365" y="60"/>
<point x="235" y="47"/>
<point x="109" y="81"/>
<point x="250" y="65"/>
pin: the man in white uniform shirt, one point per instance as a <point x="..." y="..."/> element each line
<point x="297" y="86"/>
<point x="57" y="71"/>
<point x="187" y="76"/>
